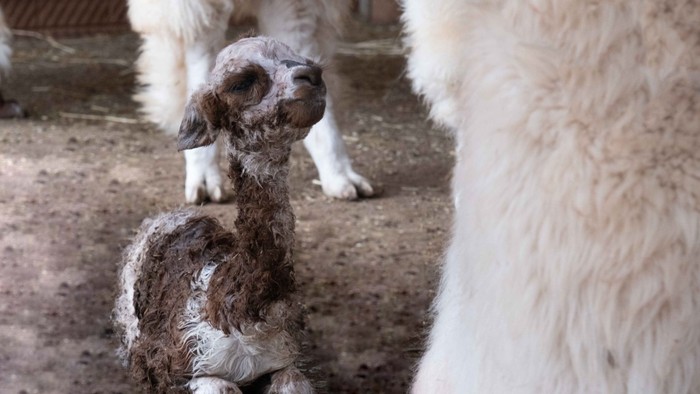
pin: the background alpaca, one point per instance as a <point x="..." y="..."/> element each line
<point x="201" y="307"/>
<point x="180" y="39"/>
<point x="8" y="108"/>
<point x="574" y="265"/>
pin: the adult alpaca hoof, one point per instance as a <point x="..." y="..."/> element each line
<point x="347" y="185"/>
<point x="203" y="192"/>
<point x="203" y="180"/>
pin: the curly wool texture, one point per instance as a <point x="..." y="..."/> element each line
<point x="574" y="265"/>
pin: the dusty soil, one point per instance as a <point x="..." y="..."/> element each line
<point x="72" y="192"/>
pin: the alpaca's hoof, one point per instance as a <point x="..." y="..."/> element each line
<point x="203" y="180"/>
<point x="195" y="195"/>
<point x="198" y="194"/>
<point x="216" y="194"/>
<point x="203" y="183"/>
<point x="347" y="185"/>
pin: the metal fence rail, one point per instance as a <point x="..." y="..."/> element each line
<point x="66" y="17"/>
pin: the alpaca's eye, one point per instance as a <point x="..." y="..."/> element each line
<point x="242" y="85"/>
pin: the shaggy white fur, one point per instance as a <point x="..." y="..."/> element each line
<point x="180" y="38"/>
<point x="241" y="356"/>
<point x="5" y="49"/>
<point x="575" y="261"/>
<point x="8" y="108"/>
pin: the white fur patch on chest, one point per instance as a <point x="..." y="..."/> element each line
<point x="239" y="357"/>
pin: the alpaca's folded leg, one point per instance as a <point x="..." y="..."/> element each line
<point x="290" y="381"/>
<point x="211" y="385"/>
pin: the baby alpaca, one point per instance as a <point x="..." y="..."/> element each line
<point x="575" y="261"/>
<point x="180" y="39"/>
<point x="201" y="308"/>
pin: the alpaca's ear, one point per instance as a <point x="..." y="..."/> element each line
<point x="199" y="125"/>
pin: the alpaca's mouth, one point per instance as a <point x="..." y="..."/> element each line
<point x="304" y="112"/>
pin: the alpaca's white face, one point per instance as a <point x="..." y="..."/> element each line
<point x="258" y="91"/>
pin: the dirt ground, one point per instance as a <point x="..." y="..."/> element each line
<point x="72" y="192"/>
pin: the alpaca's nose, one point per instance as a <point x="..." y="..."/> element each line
<point x="304" y="73"/>
<point x="310" y="75"/>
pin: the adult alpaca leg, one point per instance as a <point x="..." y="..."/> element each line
<point x="310" y="27"/>
<point x="8" y="108"/>
<point x="179" y="42"/>
<point x="203" y="177"/>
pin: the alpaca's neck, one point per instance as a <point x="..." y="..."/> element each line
<point x="265" y="220"/>
<point x="260" y="272"/>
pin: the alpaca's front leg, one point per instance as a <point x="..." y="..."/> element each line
<point x="289" y="381"/>
<point x="211" y="385"/>
<point x="300" y="26"/>
<point x="327" y="149"/>
<point x="203" y="177"/>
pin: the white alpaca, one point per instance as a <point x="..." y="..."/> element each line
<point x="5" y="49"/>
<point x="180" y="38"/>
<point x="8" y="108"/>
<point x="575" y="261"/>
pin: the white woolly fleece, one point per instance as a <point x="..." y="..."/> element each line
<point x="575" y="261"/>
<point x="5" y="49"/>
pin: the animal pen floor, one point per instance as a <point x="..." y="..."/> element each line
<point x="73" y="190"/>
